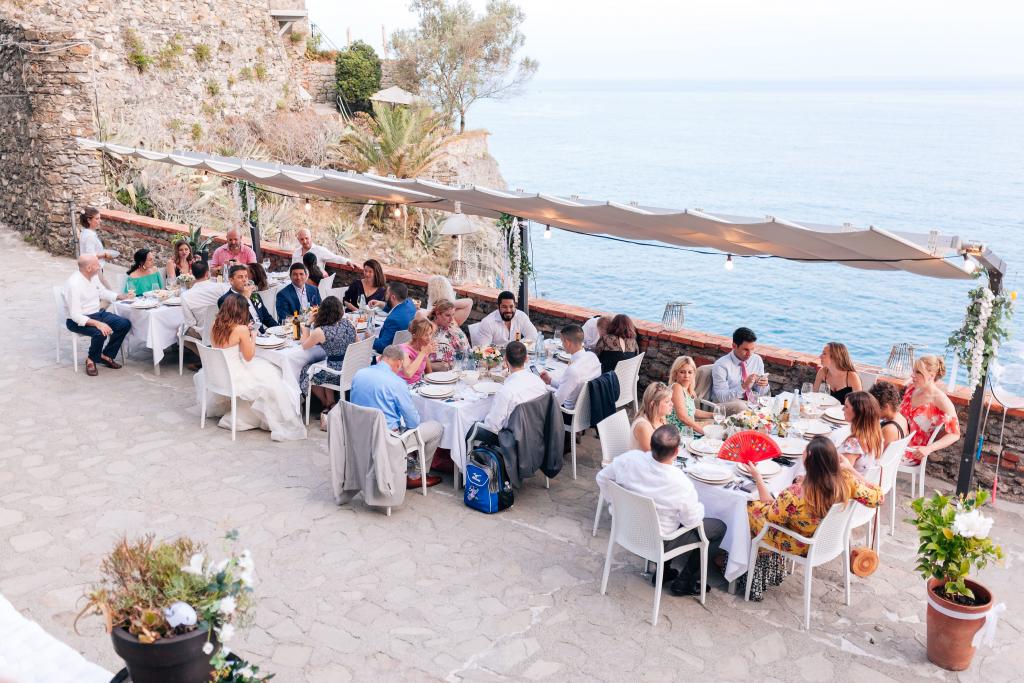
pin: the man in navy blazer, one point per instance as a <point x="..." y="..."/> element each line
<point x="299" y="295"/>
<point x="403" y="310"/>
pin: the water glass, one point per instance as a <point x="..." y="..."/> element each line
<point x="460" y="361"/>
<point x="719" y="415"/>
<point x="131" y="291"/>
<point x="807" y="388"/>
<point x="266" y="264"/>
<point x="825" y="389"/>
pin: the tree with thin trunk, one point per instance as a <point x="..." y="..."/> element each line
<point x="455" y="57"/>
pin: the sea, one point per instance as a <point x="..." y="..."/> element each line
<point x="913" y="156"/>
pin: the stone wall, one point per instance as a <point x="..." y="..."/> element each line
<point x="787" y="369"/>
<point x="320" y="81"/>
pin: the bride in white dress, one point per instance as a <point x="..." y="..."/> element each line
<point x="264" y="400"/>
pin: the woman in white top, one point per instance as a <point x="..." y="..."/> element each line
<point x="440" y="289"/>
<point x="863" y="447"/>
<point x="89" y="241"/>
<point x="657" y="405"/>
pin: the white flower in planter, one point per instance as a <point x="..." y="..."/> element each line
<point x="227" y="605"/>
<point x="207" y="648"/>
<point x="226" y="632"/>
<point x="972" y="524"/>
<point x="195" y="565"/>
<point x="219" y="567"/>
<point x="180" y="614"/>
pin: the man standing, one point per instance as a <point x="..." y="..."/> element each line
<point x="402" y="312"/>
<point x="735" y="374"/>
<point x="521" y="386"/>
<point x="82" y="294"/>
<point x="379" y="386"/>
<point x="299" y="296"/>
<point x="656" y="476"/>
<point x="232" y="253"/>
<point x="238" y="278"/>
<point x="323" y="254"/>
<point x="583" y="367"/>
<point x="203" y="292"/>
<point x="505" y="324"/>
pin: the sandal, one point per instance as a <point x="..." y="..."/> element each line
<point x="90" y="368"/>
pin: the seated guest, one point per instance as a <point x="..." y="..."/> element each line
<point x="449" y="339"/>
<point x="204" y="292"/>
<point x="506" y="324"/>
<point x="180" y="262"/>
<point x="238" y="278"/>
<point x="682" y="379"/>
<point x="306" y="247"/>
<point x="417" y="351"/>
<point x="735" y="375"/>
<point x="656" y="476"/>
<point x="297" y="297"/>
<point x="315" y="274"/>
<point x="233" y="252"/>
<point x="334" y="334"/>
<point x="372" y="286"/>
<point x="82" y="294"/>
<point x="618" y="343"/>
<point x="656" y="406"/>
<point x="403" y="310"/>
<point x="583" y="367"/>
<point x="894" y="425"/>
<point x="440" y="289"/>
<point x="837" y="371"/>
<point x="379" y="386"/>
<point x="521" y="386"/>
<point x="861" y="441"/>
<point x="265" y="400"/>
<point x="143" y="276"/>
<point x="594" y="329"/>
<point x="829" y="479"/>
<point x="258" y="276"/>
<point x="926" y="408"/>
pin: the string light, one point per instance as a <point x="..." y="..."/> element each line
<point x="309" y="206"/>
<point x="397" y="212"/>
<point x="970" y="265"/>
<point x="547" y="232"/>
<point x="728" y="262"/>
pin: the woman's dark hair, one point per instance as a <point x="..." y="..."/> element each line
<point x="258" y="276"/>
<point x="234" y="311"/>
<point x="329" y="312"/>
<point x="886" y="394"/>
<point x="138" y="260"/>
<point x="378" y="273"/>
<point x="312" y="267"/>
<point x="177" y="246"/>
<point x="823" y="485"/>
<point x="87" y="214"/>
<point x="622" y="327"/>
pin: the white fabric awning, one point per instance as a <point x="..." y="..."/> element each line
<point x="870" y="247"/>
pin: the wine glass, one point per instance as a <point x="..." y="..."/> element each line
<point x="807" y="388"/>
<point x="266" y="264"/>
<point x="131" y="291"/>
<point x="719" y="415"/>
<point x="824" y="389"/>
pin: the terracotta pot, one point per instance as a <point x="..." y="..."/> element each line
<point x="169" y="660"/>
<point x="949" y="639"/>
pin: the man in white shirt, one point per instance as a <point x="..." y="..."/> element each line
<point x="583" y="367"/>
<point x="82" y="294"/>
<point x="656" y="476"/>
<point x="594" y="329"/>
<point x="738" y="375"/>
<point x="323" y="254"/>
<point x="521" y="386"/>
<point x="203" y="292"/>
<point x="505" y="324"/>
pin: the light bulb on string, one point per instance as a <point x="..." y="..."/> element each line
<point x="970" y="265"/>
<point x="547" y="232"/>
<point x="308" y="206"/>
<point x="397" y="212"/>
<point x="728" y="262"/>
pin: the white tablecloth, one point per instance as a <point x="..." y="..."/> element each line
<point x="157" y="328"/>
<point x="291" y="359"/>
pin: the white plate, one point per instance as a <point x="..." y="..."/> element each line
<point x="817" y="429"/>
<point x="791" y="445"/>
<point x="436" y="391"/>
<point x="706" y="446"/>
<point x="486" y="388"/>
<point x="113" y="253"/>
<point x="173" y="301"/>
<point x="767" y="468"/>
<point x="835" y="413"/>
<point x="710" y="472"/>
<point x="563" y="356"/>
<point x="268" y="342"/>
<point x="280" y="330"/>
<point x="143" y="304"/>
<point x="449" y="377"/>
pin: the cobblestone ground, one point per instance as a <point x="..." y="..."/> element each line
<point x="435" y="592"/>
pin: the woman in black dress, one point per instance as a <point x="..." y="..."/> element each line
<point x="372" y="285"/>
<point x="838" y="371"/>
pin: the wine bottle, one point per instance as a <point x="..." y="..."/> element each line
<point x="296" y="326"/>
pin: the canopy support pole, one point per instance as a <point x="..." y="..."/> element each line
<point x="965" y="474"/>
<point x="524" y="284"/>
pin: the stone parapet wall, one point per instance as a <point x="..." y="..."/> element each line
<point x="320" y="81"/>
<point x="787" y="369"/>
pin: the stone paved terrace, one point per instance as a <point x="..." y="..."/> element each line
<point x="435" y="592"/>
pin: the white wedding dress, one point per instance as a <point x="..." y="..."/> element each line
<point x="264" y="400"/>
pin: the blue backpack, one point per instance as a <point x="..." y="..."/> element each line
<point x="487" y="486"/>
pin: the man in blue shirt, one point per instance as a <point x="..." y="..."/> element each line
<point x="402" y="311"/>
<point x="379" y="386"/>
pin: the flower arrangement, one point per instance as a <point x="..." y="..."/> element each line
<point x="954" y="538"/>
<point x="488" y="355"/>
<point x="759" y="419"/>
<point x="186" y="280"/>
<point x="986" y="324"/>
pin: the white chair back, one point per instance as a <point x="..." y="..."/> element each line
<point x="613" y="431"/>
<point x="890" y="461"/>
<point x="867" y="380"/>
<point x="635" y="524"/>
<point x="581" y="410"/>
<point x="402" y="337"/>
<point x="205" y="315"/>
<point x="61" y="307"/>
<point x="269" y="297"/>
<point x="628" y="372"/>
<point x="830" y="536"/>
<point x="325" y="285"/>
<point x="216" y="370"/>
<point x="116" y="276"/>
<point x="337" y="292"/>
<point x="357" y="357"/>
<point x="474" y="334"/>
<point x="702" y="382"/>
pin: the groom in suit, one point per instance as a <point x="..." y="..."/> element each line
<point x="238" y="278"/>
<point x="299" y="296"/>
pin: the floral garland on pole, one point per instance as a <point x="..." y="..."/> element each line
<point x="986" y="324"/>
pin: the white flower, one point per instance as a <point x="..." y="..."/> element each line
<point x="207" y="648"/>
<point x="219" y="567"/>
<point x="226" y="632"/>
<point x="227" y="605"/>
<point x="180" y="614"/>
<point x="195" y="565"/>
<point x="245" y="561"/>
<point x="972" y="524"/>
<point x="246" y="578"/>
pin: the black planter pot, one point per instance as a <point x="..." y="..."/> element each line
<point x="172" y="660"/>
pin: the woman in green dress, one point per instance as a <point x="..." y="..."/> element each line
<point x="143" y="276"/>
<point x="681" y="378"/>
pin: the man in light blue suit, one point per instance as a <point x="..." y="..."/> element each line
<point x="402" y="311"/>
<point x="298" y="296"/>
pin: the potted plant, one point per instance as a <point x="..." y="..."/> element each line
<point x="170" y="612"/>
<point x="954" y="539"/>
<point x="200" y="245"/>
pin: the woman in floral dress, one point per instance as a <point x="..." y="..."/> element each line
<point x="334" y="334"/>
<point x="448" y="338"/>
<point x="926" y="408"/>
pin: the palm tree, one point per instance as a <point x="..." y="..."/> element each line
<point x="402" y="141"/>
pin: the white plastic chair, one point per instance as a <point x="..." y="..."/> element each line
<point x="636" y="528"/>
<point x="867" y="380"/>
<point x="703" y="385"/>
<point x="474" y="334"/>
<point x="218" y="378"/>
<point x="269" y="297"/>
<point x="357" y="356"/>
<point x="628" y="372"/>
<point x="62" y="329"/>
<point x="336" y="292"/>
<point x="325" y="285"/>
<point x="884" y="474"/>
<point x="205" y="315"/>
<point x="917" y="471"/>
<point x="614" y="433"/>
<point x="580" y="421"/>
<point x="116" y="276"/>
<point x="402" y="337"/>
<point x="828" y="542"/>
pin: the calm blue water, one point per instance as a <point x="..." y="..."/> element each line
<point x="910" y="157"/>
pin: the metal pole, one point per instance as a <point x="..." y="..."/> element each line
<point x="965" y="474"/>
<point x="524" y="284"/>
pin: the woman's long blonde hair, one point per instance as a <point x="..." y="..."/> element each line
<point x="421" y="328"/>
<point x="866" y="425"/>
<point x="840" y="356"/>
<point x="679" y="362"/>
<point x="824" y="484"/>
<point x="438" y="287"/>
<point x="653" y="395"/>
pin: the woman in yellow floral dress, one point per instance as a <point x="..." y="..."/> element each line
<point x="829" y="479"/>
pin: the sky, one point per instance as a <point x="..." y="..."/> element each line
<point x="739" y="39"/>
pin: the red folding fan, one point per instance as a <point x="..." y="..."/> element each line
<point x="749" y="446"/>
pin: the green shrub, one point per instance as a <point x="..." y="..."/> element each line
<point x="231" y="80"/>
<point x="174" y="125"/>
<point x="261" y="71"/>
<point x="137" y="56"/>
<point x="358" y="73"/>
<point x="170" y="53"/>
<point x="246" y="73"/>
<point x="202" y="53"/>
<point x="212" y="87"/>
<point x="197" y="132"/>
<point x="296" y="37"/>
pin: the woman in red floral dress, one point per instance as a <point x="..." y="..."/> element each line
<point x="926" y="406"/>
